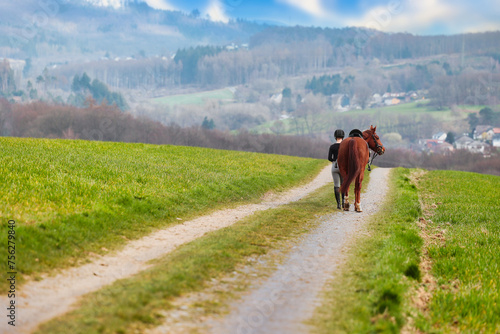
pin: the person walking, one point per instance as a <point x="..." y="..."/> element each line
<point x="332" y="156"/>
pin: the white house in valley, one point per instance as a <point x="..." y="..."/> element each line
<point x="471" y="145"/>
<point x="483" y="132"/>
<point x="496" y="137"/>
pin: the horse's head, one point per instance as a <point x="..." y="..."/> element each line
<point x="373" y="140"/>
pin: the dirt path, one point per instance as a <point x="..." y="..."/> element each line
<point x="282" y="302"/>
<point x="288" y="298"/>
<point x="38" y="302"/>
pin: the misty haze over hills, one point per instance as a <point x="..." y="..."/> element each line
<point x="78" y="30"/>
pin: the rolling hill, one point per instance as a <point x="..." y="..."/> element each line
<point x="69" y="197"/>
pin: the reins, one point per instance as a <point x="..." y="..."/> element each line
<point x="371" y="161"/>
<point x="375" y="153"/>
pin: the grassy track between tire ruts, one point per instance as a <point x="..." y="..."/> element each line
<point x="368" y="294"/>
<point x="131" y="305"/>
<point x="70" y="198"/>
<point x="462" y="212"/>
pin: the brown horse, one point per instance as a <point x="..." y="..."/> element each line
<point x="352" y="159"/>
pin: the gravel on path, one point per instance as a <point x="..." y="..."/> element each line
<point x="288" y="298"/>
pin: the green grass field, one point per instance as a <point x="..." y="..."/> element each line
<point x="224" y="95"/>
<point x="463" y="215"/>
<point x="69" y="198"/>
<point x="375" y="290"/>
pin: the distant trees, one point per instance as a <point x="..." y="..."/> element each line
<point x="447" y="68"/>
<point x="32" y="92"/>
<point x="269" y="62"/>
<point x="81" y="84"/>
<point x="7" y="83"/>
<point x="5" y="117"/>
<point x="108" y="123"/>
<point x="287" y="103"/>
<point x="363" y="95"/>
<point x="473" y="121"/>
<point x="27" y="67"/>
<point x="325" y="84"/>
<point x="450" y="137"/>
<point x="99" y="91"/>
<point x="309" y="112"/>
<point x="349" y="45"/>
<point x="487" y="116"/>
<point x="208" y="124"/>
<point x="457" y="160"/>
<point x="470" y="87"/>
<point x="189" y="59"/>
<point x="147" y="74"/>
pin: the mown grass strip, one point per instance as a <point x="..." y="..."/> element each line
<point x="464" y="210"/>
<point x="130" y="305"/>
<point x="369" y="293"/>
<point x="200" y="98"/>
<point x="70" y="197"/>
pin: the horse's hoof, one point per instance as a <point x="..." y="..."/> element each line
<point x="357" y="207"/>
<point x="346" y="206"/>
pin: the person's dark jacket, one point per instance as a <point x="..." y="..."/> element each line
<point x="333" y="152"/>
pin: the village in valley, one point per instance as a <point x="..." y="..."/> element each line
<point x="485" y="139"/>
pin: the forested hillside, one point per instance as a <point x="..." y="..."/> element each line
<point x="370" y="44"/>
<point x="281" y="52"/>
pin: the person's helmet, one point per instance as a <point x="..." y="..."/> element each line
<point x="339" y="133"/>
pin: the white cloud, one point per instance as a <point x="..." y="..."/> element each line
<point x="216" y="12"/>
<point x="427" y="17"/>
<point x="160" y="4"/>
<point x="107" y="3"/>
<point x="157" y="4"/>
<point x="313" y="7"/>
<point x="422" y="15"/>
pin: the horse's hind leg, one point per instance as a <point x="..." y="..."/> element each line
<point x="357" y="192"/>
<point x="346" y="200"/>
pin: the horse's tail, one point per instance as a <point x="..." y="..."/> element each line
<point x="353" y="168"/>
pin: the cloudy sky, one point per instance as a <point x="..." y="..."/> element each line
<point x="422" y="17"/>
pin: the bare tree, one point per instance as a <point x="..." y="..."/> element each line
<point x="363" y="95"/>
<point x="310" y="110"/>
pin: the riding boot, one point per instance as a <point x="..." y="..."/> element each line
<point x="337" y="197"/>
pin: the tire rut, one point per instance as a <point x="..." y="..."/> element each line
<point x="40" y="301"/>
<point x="284" y="300"/>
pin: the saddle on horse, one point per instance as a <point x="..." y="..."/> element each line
<point x="356" y="133"/>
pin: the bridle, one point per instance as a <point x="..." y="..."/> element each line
<point x="377" y="151"/>
<point x="378" y="147"/>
